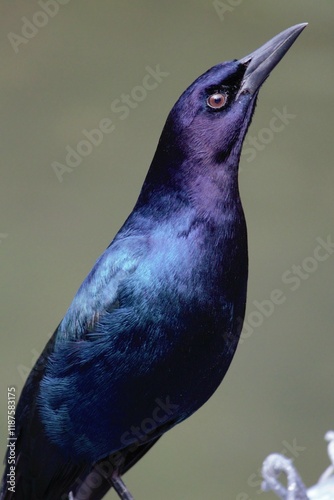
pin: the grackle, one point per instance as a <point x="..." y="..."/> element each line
<point x="153" y="328"/>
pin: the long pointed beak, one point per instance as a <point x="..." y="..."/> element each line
<point x="263" y="60"/>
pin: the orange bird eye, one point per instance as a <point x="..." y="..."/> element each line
<point x="217" y="100"/>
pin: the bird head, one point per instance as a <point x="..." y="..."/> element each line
<point x="211" y="118"/>
<point x="199" y="149"/>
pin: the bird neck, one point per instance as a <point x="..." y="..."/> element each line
<point x="179" y="178"/>
<point x="194" y="166"/>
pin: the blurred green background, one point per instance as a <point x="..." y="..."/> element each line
<point x="279" y="390"/>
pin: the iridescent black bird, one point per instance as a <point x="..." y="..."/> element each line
<point x="153" y="328"/>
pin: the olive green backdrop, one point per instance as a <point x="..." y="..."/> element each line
<point x="61" y="78"/>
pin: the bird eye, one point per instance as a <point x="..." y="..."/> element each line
<point x="216" y="100"/>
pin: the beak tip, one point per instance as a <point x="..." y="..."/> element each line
<point x="300" y="27"/>
<point x="260" y="62"/>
